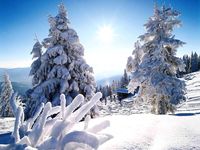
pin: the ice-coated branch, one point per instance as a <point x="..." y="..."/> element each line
<point x="63" y="104"/>
<point x="37" y="131"/>
<point x="78" y="100"/>
<point x="81" y="112"/>
<point x="13" y="104"/>
<point x="87" y="119"/>
<point x="32" y="120"/>
<point x="44" y="132"/>
<point x="19" y="115"/>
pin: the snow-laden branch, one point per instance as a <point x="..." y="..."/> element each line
<point x="44" y="132"/>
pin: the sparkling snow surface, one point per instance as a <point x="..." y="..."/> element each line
<point x="157" y="132"/>
<point x="147" y="131"/>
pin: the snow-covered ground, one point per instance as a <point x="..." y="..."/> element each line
<point x="158" y="132"/>
<point x="153" y="132"/>
<point x="144" y="131"/>
<point x="6" y="125"/>
<point x="127" y="107"/>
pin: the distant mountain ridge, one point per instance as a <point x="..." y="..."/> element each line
<point x="20" y="75"/>
<point x="108" y="80"/>
<point x="21" y="80"/>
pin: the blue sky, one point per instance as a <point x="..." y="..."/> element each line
<point x="20" y="20"/>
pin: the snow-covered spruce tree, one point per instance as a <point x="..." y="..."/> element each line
<point x="6" y="93"/>
<point x="61" y="69"/>
<point x="154" y="65"/>
<point x="124" y="80"/>
<point x="194" y="62"/>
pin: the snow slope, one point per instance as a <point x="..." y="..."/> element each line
<point x="180" y="131"/>
<point x="159" y="132"/>
<point x="132" y="129"/>
<point x="152" y="132"/>
<point x="192" y="105"/>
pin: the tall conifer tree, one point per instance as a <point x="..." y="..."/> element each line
<point x="154" y="65"/>
<point x="61" y="69"/>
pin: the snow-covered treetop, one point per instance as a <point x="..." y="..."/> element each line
<point x="6" y="85"/>
<point x="163" y="22"/>
<point x="160" y="26"/>
<point x="159" y="41"/>
<point x="62" y="10"/>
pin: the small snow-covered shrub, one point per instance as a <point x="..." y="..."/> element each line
<point x="44" y="132"/>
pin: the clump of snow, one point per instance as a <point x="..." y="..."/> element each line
<point x="44" y="132"/>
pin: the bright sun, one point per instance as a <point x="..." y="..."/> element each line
<point x="105" y="33"/>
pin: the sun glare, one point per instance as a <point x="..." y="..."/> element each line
<point x="105" y="33"/>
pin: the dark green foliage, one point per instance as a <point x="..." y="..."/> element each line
<point x="192" y="63"/>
